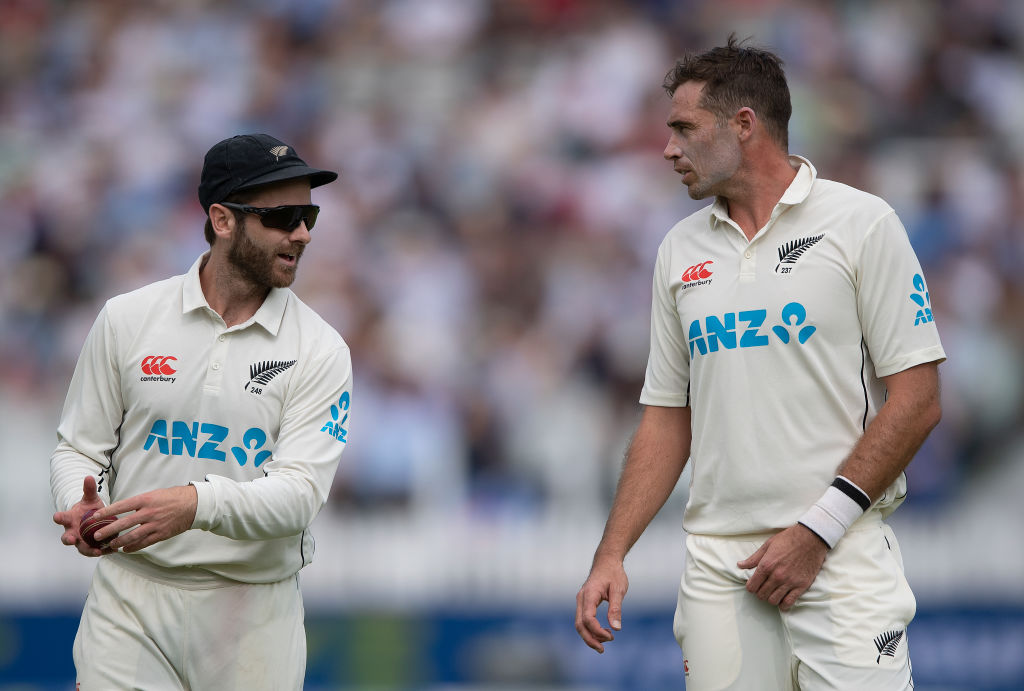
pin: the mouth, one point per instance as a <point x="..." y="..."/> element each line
<point x="289" y="259"/>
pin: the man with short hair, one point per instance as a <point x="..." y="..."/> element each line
<point x="207" y="414"/>
<point x="794" y="360"/>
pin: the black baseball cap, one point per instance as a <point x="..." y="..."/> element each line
<point x="250" y="160"/>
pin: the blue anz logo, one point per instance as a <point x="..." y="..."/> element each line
<point x="794" y="315"/>
<point x="923" y="300"/>
<point x="203" y="440"/>
<point x="253" y="439"/>
<point x="714" y="333"/>
<point x="334" y="426"/>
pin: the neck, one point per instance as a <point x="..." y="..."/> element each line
<point x="228" y="294"/>
<point x="757" y="190"/>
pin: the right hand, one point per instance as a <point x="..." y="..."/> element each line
<point x="72" y="519"/>
<point x="607" y="582"/>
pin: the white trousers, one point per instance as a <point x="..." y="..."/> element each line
<point x="847" y="632"/>
<point x="140" y="633"/>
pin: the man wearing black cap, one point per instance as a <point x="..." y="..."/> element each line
<point x="206" y="415"/>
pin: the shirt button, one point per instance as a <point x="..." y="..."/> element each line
<point x="216" y="366"/>
<point x="747" y="254"/>
<point x="221" y="337"/>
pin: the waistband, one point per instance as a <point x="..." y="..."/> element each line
<point x="871" y="520"/>
<point x="185" y="577"/>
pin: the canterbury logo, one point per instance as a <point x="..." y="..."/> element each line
<point x="697" y="272"/>
<point x="279" y="151"/>
<point x="157" y="364"/>
<point x="791" y="251"/>
<point x="887" y="644"/>
<point x="262" y="372"/>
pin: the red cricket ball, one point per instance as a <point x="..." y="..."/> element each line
<point x="89" y="527"/>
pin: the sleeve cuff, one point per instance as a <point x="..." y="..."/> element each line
<point x="206" y="505"/>
<point x="931" y="354"/>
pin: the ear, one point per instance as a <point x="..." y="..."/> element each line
<point x="222" y="221"/>
<point x="744" y="122"/>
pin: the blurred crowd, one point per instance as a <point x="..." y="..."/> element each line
<point x="488" y="250"/>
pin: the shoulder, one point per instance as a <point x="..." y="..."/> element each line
<point x="697" y="223"/>
<point x="315" y="331"/>
<point x="132" y="306"/>
<point x="845" y="198"/>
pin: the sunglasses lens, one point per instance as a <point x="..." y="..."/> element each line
<point x="289" y="217"/>
<point x="309" y="214"/>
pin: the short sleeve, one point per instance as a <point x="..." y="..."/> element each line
<point x="894" y="302"/>
<point x="668" y="365"/>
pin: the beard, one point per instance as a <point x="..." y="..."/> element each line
<point x="719" y="160"/>
<point x="258" y="265"/>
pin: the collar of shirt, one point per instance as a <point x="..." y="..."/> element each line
<point x="797" y="191"/>
<point x="269" y="315"/>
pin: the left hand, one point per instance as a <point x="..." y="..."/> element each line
<point x="787" y="563"/>
<point x="155" y="516"/>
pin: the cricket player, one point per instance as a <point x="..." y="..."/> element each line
<point x="208" y="413"/>
<point x="793" y="362"/>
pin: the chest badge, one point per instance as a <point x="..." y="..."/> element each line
<point x="260" y="374"/>
<point x="697" y="275"/>
<point x="793" y="250"/>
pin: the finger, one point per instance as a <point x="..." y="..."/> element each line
<point x="62" y="518"/>
<point x="615" y="608"/>
<point x="757" y="580"/>
<point x="593" y="641"/>
<point x="129" y="540"/>
<point x="89" y="494"/>
<point x="591" y="601"/>
<point x="593" y="626"/>
<point x="589" y="639"/>
<point x="585" y="634"/>
<point x="754" y="559"/>
<point x="771" y="584"/>
<point x="108" y="532"/>
<point x="791" y="599"/>
<point x="123" y="506"/>
<point x="85" y="549"/>
<point x="138" y="538"/>
<point x="778" y="594"/>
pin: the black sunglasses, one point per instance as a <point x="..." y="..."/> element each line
<point x="285" y="217"/>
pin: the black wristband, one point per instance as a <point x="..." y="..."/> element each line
<point x="852" y="491"/>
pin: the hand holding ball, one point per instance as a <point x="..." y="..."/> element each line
<point x="89" y="527"/>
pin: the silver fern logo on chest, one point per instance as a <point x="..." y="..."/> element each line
<point x="261" y="374"/>
<point x="793" y="250"/>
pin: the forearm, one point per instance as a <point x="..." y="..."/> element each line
<point x="654" y="462"/>
<point x="909" y="413"/>
<point x="278" y="505"/>
<point x="68" y="468"/>
<point x="889" y="443"/>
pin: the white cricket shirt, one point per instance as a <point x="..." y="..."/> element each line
<point x="255" y="416"/>
<point x="777" y="346"/>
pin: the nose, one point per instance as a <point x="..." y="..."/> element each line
<point x="672" y="150"/>
<point x="300" y="233"/>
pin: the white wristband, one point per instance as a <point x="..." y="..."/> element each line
<point x="832" y="515"/>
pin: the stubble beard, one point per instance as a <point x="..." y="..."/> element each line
<point x="722" y="161"/>
<point x="256" y="265"/>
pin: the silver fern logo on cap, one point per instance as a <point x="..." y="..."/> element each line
<point x="279" y="151"/>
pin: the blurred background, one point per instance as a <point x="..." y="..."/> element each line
<point x="488" y="254"/>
